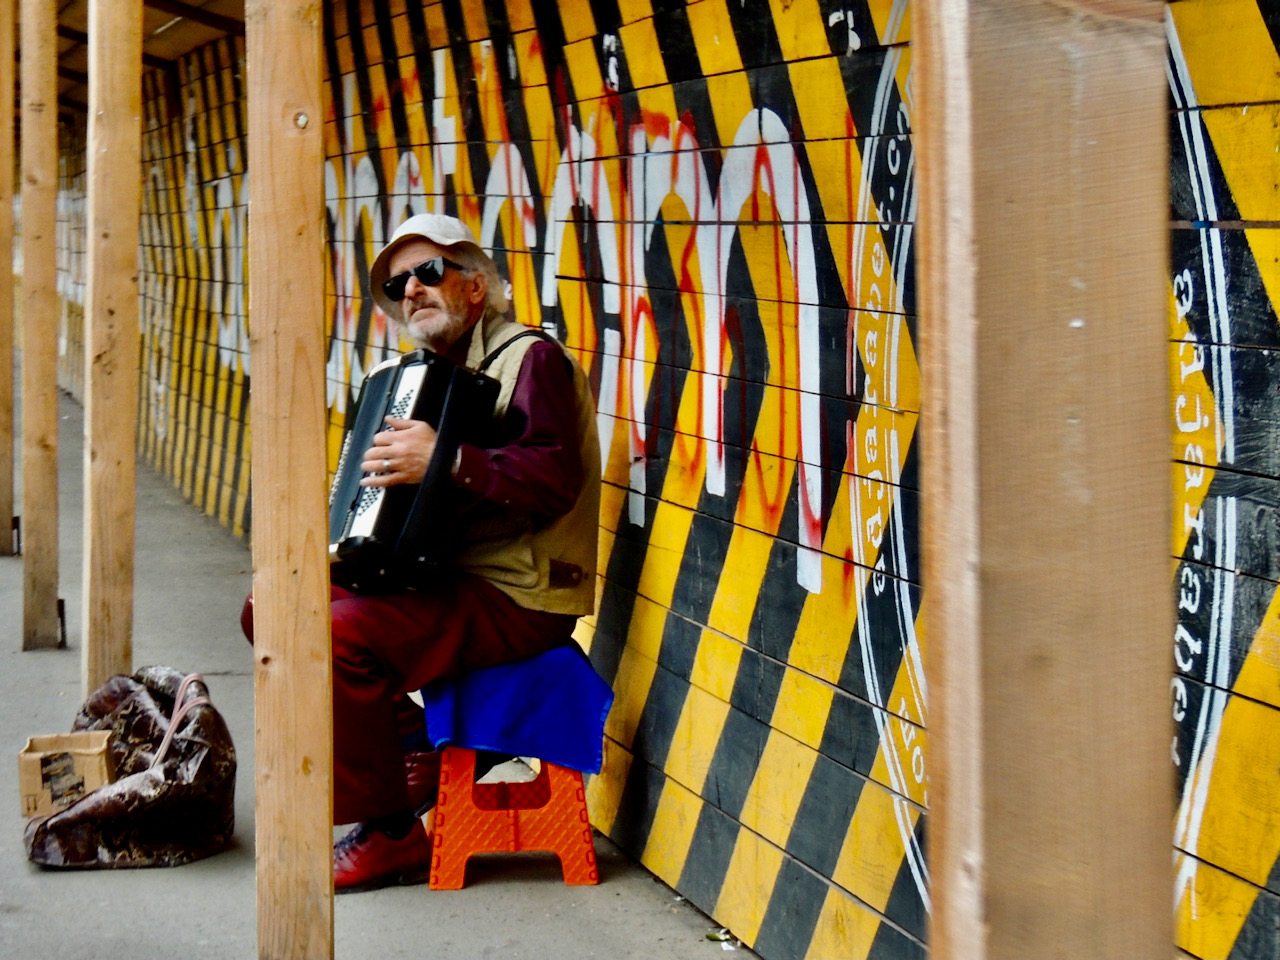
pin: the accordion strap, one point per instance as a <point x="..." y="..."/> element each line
<point x="528" y="332"/>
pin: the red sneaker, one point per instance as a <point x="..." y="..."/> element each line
<point x="366" y="859"/>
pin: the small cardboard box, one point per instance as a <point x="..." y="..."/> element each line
<point x="56" y="771"/>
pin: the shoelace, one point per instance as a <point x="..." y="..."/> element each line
<point x="352" y="839"/>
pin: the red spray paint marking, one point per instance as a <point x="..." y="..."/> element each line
<point x="773" y="505"/>
<point x="598" y="185"/>
<point x="521" y="205"/>
<point x="642" y="315"/>
<point x="559" y="85"/>
<point x="716" y="367"/>
<point x="633" y="312"/>
<point x="810" y="521"/>
<point x="849" y="577"/>
<point x="548" y="163"/>
<point x="849" y="572"/>
<point x="612" y="105"/>
<point x="684" y="443"/>
<point x="496" y="110"/>
<point x="656" y="124"/>
<point x="410" y="84"/>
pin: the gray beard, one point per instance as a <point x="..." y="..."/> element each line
<point x="433" y="343"/>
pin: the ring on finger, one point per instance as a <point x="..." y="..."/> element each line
<point x="386" y="465"/>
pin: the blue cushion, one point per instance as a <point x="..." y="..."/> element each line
<point x="552" y="706"/>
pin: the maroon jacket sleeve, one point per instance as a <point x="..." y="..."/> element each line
<point x="540" y="470"/>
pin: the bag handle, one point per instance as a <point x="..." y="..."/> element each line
<point x="179" y="712"/>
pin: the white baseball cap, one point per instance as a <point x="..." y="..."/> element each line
<point x="443" y="231"/>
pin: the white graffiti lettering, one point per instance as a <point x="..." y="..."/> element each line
<point x="1182" y="638"/>
<point x="1179" y="706"/>
<point x="1189" y="591"/>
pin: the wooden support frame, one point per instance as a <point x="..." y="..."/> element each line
<point x="199" y="15"/>
<point x="292" y="690"/>
<point x="8" y="465"/>
<point x="75" y="76"/>
<point x="148" y="59"/>
<point x="1042" y="175"/>
<point x="41" y="625"/>
<point x="111" y="338"/>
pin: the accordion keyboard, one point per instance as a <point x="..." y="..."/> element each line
<point x="365" y="512"/>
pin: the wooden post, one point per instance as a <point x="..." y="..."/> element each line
<point x="293" y="692"/>
<point x="1043" y="178"/>
<point x="41" y="627"/>
<point x="111" y="337"/>
<point x="7" y="463"/>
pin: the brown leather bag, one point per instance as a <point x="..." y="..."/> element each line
<point x="173" y="799"/>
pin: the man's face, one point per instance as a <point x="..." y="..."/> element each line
<point x="436" y="317"/>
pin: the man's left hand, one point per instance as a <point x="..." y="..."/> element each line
<point x="400" y="454"/>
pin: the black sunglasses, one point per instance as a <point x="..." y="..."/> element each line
<point x="429" y="273"/>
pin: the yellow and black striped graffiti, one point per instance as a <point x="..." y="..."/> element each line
<point x="712" y="203"/>
<point x="1224" y="74"/>
<point x="194" y="395"/>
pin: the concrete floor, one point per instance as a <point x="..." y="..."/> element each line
<point x="191" y="577"/>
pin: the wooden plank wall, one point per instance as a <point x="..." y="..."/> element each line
<point x="712" y="203"/>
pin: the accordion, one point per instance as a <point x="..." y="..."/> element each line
<point x="383" y="537"/>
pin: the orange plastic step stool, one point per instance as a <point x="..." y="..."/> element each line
<point x="548" y="813"/>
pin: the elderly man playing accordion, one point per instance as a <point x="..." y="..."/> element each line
<point x="522" y="569"/>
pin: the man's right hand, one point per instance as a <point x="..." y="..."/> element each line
<point x="400" y="454"/>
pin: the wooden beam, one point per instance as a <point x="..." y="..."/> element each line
<point x="293" y="686"/>
<point x="7" y="464"/>
<point x="41" y="627"/>
<point x="75" y="76"/>
<point x="67" y="106"/>
<point x="114" y="151"/>
<point x="199" y="15"/>
<point x="1043" y="175"/>
<point x="64" y="73"/>
<point x="148" y="59"/>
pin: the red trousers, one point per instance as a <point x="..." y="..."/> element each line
<point x="385" y="646"/>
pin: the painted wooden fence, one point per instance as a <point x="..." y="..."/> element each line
<point x="1224" y="342"/>
<point x="712" y="204"/>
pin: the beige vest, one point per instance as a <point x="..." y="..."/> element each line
<point x="542" y="565"/>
